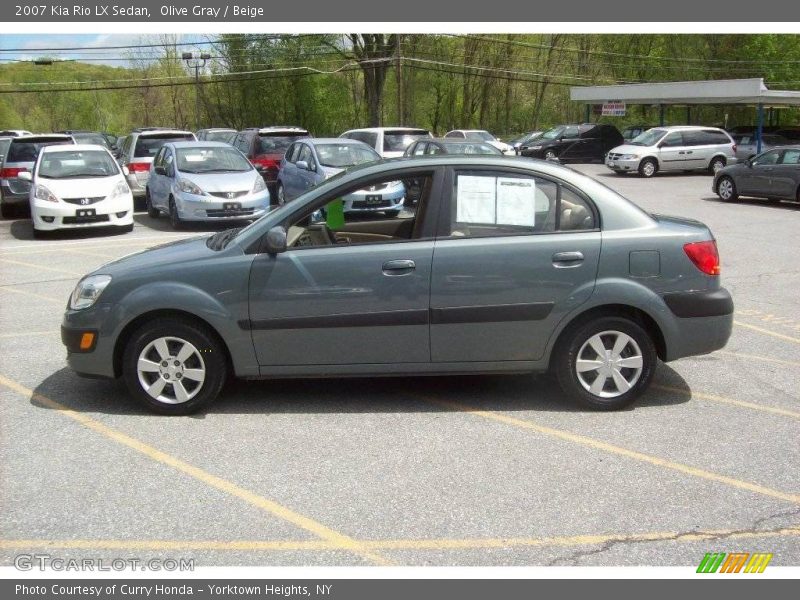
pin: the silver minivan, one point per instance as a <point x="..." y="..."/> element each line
<point x="676" y="148"/>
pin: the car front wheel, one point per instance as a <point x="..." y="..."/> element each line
<point x="726" y="189"/>
<point x="281" y="193"/>
<point x="174" y="218"/>
<point x="174" y="367"/>
<point x="152" y="211"/>
<point x="648" y="167"/>
<point x="606" y="364"/>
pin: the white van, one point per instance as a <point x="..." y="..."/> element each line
<point x="676" y="148"/>
<point x="389" y="142"/>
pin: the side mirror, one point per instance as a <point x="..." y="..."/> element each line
<point x="276" y="240"/>
<point x="25" y="176"/>
<point x="160" y="170"/>
<point x="661" y="145"/>
<point x="301" y="164"/>
<point x="751" y="162"/>
<point x="126" y="171"/>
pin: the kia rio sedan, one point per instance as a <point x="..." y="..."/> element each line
<point x="505" y="267"/>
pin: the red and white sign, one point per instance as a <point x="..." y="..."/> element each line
<point x="613" y="108"/>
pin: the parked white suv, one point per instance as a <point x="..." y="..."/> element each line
<point x="677" y="148"/>
<point x="389" y="142"/>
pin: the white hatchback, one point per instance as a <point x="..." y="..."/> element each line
<point x="78" y="186"/>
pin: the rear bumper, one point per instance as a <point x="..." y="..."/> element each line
<point x="700" y="304"/>
<point x="703" y="323"/>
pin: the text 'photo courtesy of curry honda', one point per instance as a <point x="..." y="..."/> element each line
<point x="505" y="266"/>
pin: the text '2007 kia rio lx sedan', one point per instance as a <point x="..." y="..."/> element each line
<point x="504" y="267"/>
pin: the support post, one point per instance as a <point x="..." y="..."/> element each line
<point x="588" y="111"/>
<point x="661" y="115"/>
<point x="688" y="115"/>
<point x="759" y="128"/>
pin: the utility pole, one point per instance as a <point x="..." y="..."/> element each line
<point x="196" y="62"/>
<point x="399" y="72"/>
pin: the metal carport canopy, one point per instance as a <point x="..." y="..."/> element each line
<point x="714" y="91"/>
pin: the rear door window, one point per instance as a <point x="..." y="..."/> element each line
<point x="276" y="143"/>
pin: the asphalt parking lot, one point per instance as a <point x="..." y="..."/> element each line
<point x="412" y="471"/>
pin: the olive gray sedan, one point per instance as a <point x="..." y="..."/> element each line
<point x="774" y="175"/>
<point x="505" y="267"/>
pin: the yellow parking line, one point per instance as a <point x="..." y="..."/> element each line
<point x="28" y="333"/>
<point x="6" y="288"/>
<point x="618" y="450"/>
<point x="43" y="268"/>
<point x="722" y="399"/>
<point x="398" y="544"/>
<point x="339" y="540"/>
<point x="781" y="336"/>
<point x="779" y="361"/>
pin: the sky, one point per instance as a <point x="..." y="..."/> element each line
<point x="24" y="47"/>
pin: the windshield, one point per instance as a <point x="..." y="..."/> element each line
<point x="74" y="164"/>
<point x="90" y="138"/>
<point x="553" y="133"/>
<point x="470" y="148"/>
<point x="480" y="136"/>
<point x="278" y="143"/>
<point x="219" y="136"/>
<point x="397" y="141"/>
<point x="649" y="137"/>
<point x="150" y="145"/>
<point x="211" y="159"/>
<point x="340" y="156"/>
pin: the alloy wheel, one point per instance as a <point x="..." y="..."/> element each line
<point x="171" y="370"/>
<point x="609" y="364"/>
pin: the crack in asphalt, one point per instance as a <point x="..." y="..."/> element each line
<point x="573" y="558"/>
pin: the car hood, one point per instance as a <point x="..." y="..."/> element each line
<point x="89" y="187"/>
<point x="502" y="146"/>
<point x="169" y="254"/>
<point x="330" y="171"/>
<point x="222" y="182"/>
<point x="628" y="149"/>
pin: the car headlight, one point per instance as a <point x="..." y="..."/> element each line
<point x="628" y="157"/>
<point x="42" y="193"/>
<point x="534" y="147"/>
<point x="88" y="291"/>
<point x="260" y="185"/>
<point x="187" y="187"/>
<point x="121" y="189"/>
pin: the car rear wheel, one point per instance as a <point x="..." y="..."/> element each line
<point x="717" y="164"/>
<point x="605" y="364"/>
<point x="174" y="367"/>
<point x="152" y="211"/>
<point x="174" y="217"/>
<point x="648" y="167"/>
<point x="281" y="193"/>
<point x="726" y="189"/>
<point x="550" y="155"/>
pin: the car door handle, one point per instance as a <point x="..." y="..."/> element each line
<point x="690" y="152"/>
<point x="567" y="259"/>
<point x="681" y="152"/>
<point x="398" y="267"/>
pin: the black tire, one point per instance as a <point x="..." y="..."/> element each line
<point x="550" y="155"/>
<point x="717" y="164"/>
<point x="8" y="211"/>
<point x="726" y="189"/>
<point x="575" y="337"/>
<point x="280" y="195"/>
<point x="391" y="213"/>
<point x="648" y="167"/>
<point x="621" y="173"/>
<point x="209" y="348"/>
<point x="174" y="217"/>
<point x="152" y="211"/>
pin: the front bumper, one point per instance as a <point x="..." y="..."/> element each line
<point x="210" y="208"/>
<point x="97" y="360"/>
<point x="380" y="200"/>
<point x="623" y="166"/>
<point x="50" y="216"/>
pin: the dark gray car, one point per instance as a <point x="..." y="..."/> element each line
<point x="774" y="174"/>
<point x="505" y="267"/>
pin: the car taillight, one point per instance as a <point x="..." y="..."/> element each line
<point x="138" y="167"/>
<point x="704" y="255"/>
<point x="11" y="172"/>
<point x="265" y="162"/>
